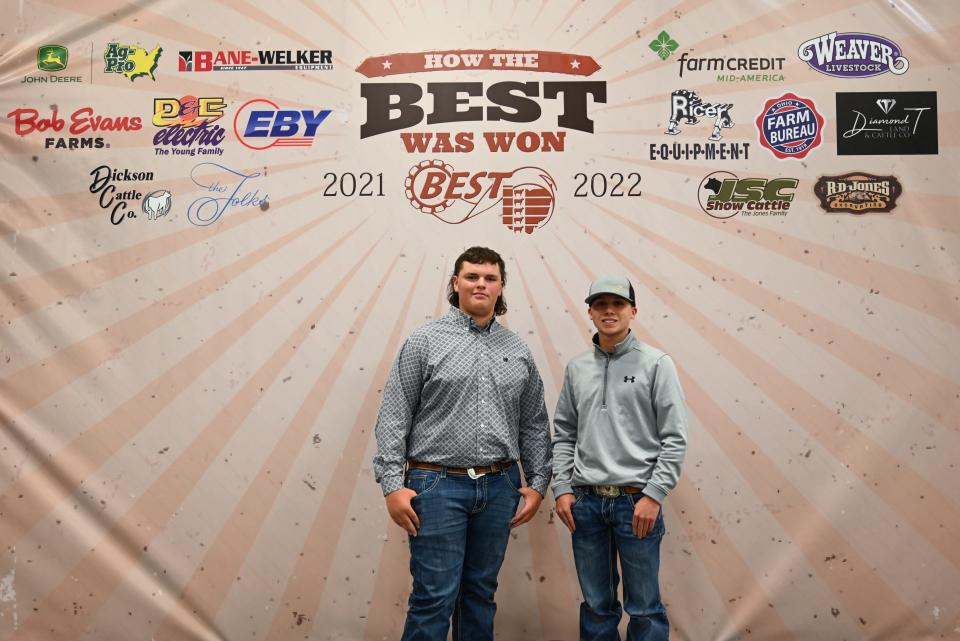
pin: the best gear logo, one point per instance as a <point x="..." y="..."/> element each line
<point x="527" y="195"/>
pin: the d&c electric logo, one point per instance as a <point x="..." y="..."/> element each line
<point x="526" y="196"/>
<point x="722" y="194"/>
<point x="131" y="61"/>
<point x="853" y="55"/>
<point x="27" y="121"/>
<point x="263" y="60"/>
<point x="260" y="128"/>
<point x="858" y="193"/>
<point x="186" y="126"/>
<point x="790" y="126"/>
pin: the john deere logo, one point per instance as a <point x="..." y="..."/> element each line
<point x="51" y="58"/>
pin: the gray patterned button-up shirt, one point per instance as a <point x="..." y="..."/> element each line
<point x="463" y="396"/>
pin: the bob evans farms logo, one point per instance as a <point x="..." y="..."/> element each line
<point x="858" y="193"/>
<point x="395" y="106"/>
<point x="187" y="127"/>
<point x="527" y="196"/>
<point x="853" y="55"/>
<point x="790" y="126"/>
<point x="82" y="121"/>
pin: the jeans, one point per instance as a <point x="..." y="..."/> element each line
<point x="605" y="531"/>
<point x="457" y="553"/>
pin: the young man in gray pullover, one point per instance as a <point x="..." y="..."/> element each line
<point x="619" y="441"/>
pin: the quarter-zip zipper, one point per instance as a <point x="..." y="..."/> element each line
<point x="605" y="368"/>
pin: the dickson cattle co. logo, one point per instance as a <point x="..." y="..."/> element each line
<point x="687" y="108"/>
<point x="737" y="69"/>
<point x="104" y="185"/>
<point x="790" y="126"/>
<point x="186" y="126"/>
<point x="27" y="121"/>
<point x="52" y="59"/>
<point x="263" y="60"/>
<point x="858" y="193"/>
<point x="526" y="196"/>
<point x="722" y="195"/>
<point x="259" y="128"/>
<point x="887" y="123"/>
<point x="131" y="61"/>
<point x="853" y="55"/>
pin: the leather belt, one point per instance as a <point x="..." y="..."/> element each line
<point x="611" y="491"/>
<point x="472" y="472"/>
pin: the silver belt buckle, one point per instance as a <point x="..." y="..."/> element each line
<point x="473" y="474"/>
<point x="607" y="490"/>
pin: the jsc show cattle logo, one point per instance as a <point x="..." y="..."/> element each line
<point x="853" y="55"/>
<point x="526" y="196"/>
<point x="790" y="126"/>
<point x="261" y="124"/>
<point x="723" y="194"/>
<point x="858" y="193"/>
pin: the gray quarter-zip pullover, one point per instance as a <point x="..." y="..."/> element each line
<point x="621" y="419"/>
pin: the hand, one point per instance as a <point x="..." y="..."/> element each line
<point x="531" y="503"/>
<point x="565" y="510"/>
<point x="401" y="511"/>
<point x="644" y="516"/>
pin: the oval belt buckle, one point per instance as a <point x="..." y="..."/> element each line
<point x="472" y="474"/>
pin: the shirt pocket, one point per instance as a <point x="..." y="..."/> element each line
<point x="510" y="372"/>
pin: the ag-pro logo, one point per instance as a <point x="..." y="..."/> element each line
<point x="259" y="127"/>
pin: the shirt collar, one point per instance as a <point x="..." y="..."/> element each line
<point x="460" y="318"/>
<point x="620" y="348"/>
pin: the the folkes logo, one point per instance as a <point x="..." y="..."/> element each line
<point x="259" y="128"/>
<point x="526" y="196"/>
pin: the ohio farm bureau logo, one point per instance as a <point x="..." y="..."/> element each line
<point x="790" y="126"/>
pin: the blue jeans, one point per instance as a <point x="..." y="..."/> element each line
<point x="457" y="553"/>
<point x="604" y="532"/>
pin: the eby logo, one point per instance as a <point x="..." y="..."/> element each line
<point x="259" y="128"/>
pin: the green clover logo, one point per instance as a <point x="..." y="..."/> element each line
<point x="664" y="45"/>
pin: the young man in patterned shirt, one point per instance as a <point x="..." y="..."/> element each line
<point x="463" y="403"/>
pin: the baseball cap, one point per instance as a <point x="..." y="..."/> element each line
<point x="609" y="284"/>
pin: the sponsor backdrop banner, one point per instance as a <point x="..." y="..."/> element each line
<point x="220" y="221"/>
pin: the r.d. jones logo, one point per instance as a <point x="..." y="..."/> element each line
<point x="887" y="123"/>
<point x="527" y="195"/>
<point x="722" y="195"/>
<point x="858" y="193"/>
<point x="187" y="127"/>
<point x="790" y="126"/>
<point x="853" y="55"/>
<point x="259" y="128"/>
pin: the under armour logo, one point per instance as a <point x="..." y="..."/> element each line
<point x="629" y="379"/>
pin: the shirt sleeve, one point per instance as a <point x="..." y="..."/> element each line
<point x="534" y="431"/>
<point x="565" y="421"/>
<point x="671" y="412"/>
<point x="401" y="398"/>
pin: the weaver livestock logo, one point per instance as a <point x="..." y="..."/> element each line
<point x="887" y="123"/>
<point x="27" y="121"/>
<point x="858" y="193"/>
<point x="687" y="108"/>
<point x="526" y="196"/>
<point x="853" y="55"/>
<point x="722" y="194"/>
<point x="262" y="60"/>
<point x="131" y="61"/>
<point x="187" y="126"/>
<point x="261" y="124"/>
<point x="790" y="126"/>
